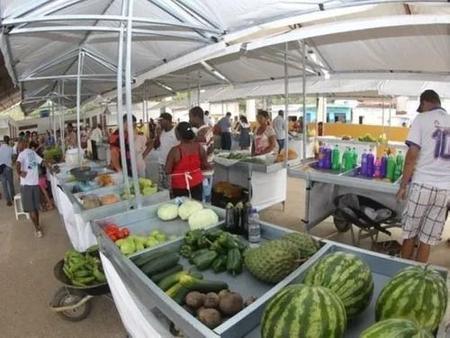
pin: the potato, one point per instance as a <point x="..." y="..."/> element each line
<point x="211" y="300"/>
<point x="195" y="299"/>
<point x="231" y="303"/>
<point x="210" y="317"/>
<point x="249" y="300"/>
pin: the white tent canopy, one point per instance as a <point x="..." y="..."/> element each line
<point x="180" y="45"/>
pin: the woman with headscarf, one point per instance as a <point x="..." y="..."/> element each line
<point x="185" y="163"/>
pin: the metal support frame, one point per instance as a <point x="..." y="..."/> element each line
<point x="129" y="105"/>
<point x="123" y="158"/>
<point x="286" y="103"/>
<point x="198" y="89"/>
<point x="79" y="72"/>
<point x="305" y="126"/>
<point x="63" y="122"/>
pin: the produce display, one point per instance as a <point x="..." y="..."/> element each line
<point x="53" y="154"/>
<point x="416" y="293"/>
<point x="109" y="199"/>
<point x="190" y="210"/>
<point x="292" y="155"/>
<point x="396" y="328"/>
<point x="90" y="201"/>
<point x="135" y="243"/>
<point x="84" y="269"/>
<point x="146" y="188"/>
<point x="104" y="180"/>
<point x="305" y="312"/>
<point x="115" y="233"/>
<point x="214" y="249"/>
<point x="367" y="138"/>
<point x="243" y="157"/>
<point x="274" y="260"/>
<point x="348" y="276"/>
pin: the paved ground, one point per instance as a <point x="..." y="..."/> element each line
<point x="27" y="282"/>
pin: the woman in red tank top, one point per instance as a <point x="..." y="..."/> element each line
<point x="185" y="163"/>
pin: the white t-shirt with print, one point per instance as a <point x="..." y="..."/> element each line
<point x="431" y="132"/>
<point x="168" y="139"/>
<point x="29" y="162"/>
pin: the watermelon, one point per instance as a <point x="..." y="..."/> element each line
<point x="416" y="293"/>
<point x="395" y="328"/>
<point x="348" y="276"/>
<point x="301" y="311"/>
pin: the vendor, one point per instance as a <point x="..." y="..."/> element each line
<point x="265" y="141"/>
<point x="71" y="137"/>
<point x="426" y="179"/>
<point x="185" y="163"/>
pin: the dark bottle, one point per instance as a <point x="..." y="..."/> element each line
<point x="238" y="213"/>
<point x="229" y="218"/>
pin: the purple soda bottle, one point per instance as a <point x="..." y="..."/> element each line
<point x="383" y="168"/>
<point x="364" y="163"/>
<point x="377" y="168"/>
<point x="370" y="159"/>
<point x="321" y="157"/>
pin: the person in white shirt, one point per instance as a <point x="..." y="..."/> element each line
<point x="427" y="173"/>
<point x="96" y="138"/>
<point x="6" y="171"/>
<point x="280" y="130"/>
<point x="27" y="167"/>
<point x="208" y="120"/>
<point x="165" y="141"/>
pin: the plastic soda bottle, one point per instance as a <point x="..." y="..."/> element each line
<point x="336" y="158"/>
<point x="377" y="168"/>
<point x="321" y="157"/>
<point x="400" y="161"/>
<point x="327" y="164"/>
<point x="254" y="228"/>
<point x="384" y="160"/>
<point x="364" y="163"/>
<point x="390" y="172"/>
<point x="370" y="164"/>
<point x="354" y="158"/>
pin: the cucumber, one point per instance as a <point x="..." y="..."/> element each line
<point x="160" y="276"/>
<point x="178" y="292"/>
<point x="205" y="286"/>
<point x="160" y="264"/>
<point x="171" y="280"/>
<point x="146" y="257"/>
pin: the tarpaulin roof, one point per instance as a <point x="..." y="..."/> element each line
<point x="180" y="44"/>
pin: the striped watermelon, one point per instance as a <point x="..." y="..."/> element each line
<point x="301" y="311"/>
<point x="395" y="328"/>
<point x="416" y="293"/>
<point x="348" y="276"/>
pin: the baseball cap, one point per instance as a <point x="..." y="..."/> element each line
<point x="165" y="116"/>
<point x="428" y="95"/>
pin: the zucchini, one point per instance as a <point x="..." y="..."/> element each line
<point x="146" y="257"/>
<point x="160" y="276"/>
<point x="174" y="278"/>
<point x="205" y="286"/>
<point x="178" y="292"/>
<point x="160" y="264"/>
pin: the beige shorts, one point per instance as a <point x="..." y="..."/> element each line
<point x="425" y="213"/>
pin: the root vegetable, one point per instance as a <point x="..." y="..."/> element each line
<point x="223" y="293"/>
<point x="211" y="300"/>
<point x="195" y="299"/>
<point x="249" y="300"/>
<point x="231" y="303"/>
<point x="210" y="317"/>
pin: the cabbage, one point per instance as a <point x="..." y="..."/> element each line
<point x="203" y="219"/>
<point x="188" y="208"/>
<point x="168" y="212"/>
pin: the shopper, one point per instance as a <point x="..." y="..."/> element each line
<point x="6" y="171"/>
<point x="27" y="167"/>
<point x="280" y="130"/>
<point x="224" y="126"/>
<point x="426" y="175"/>
<point x="244" y="133"/>
<point x="208" y="119"/>
<point x="96" y="138"/>
<point x="205" y="137"/>
<point x="165" y="141"/>
<point x="265" y="141"/>
<point x="71" y="137"/>
<point x="185" y="163"/>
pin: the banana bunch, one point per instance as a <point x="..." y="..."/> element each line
<point x="83" y="269"/>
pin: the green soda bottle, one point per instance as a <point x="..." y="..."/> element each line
<point x="400" y="161"/>
<point x="336" y="158"/>
<point x="391" y="164"/>
<point x="354" y="158"/>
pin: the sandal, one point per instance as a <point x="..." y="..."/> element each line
<point x="39" y="233"/>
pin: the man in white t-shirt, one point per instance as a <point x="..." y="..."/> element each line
<point x="27" y="167"/>
<point x="6" y="171"/>
<point x="427" y="171"/>
<point x="165" y="141"/>
<point x="279" y="127"/>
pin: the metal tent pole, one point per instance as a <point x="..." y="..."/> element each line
<point x="305" y="126"/>
<point x="80" y="70"/>
<point x="63" y="122"/>
<point x="54" y="120"/>
<point x="123" y="157"/>
<point x="198" y="89"/>
<point x="286" y="103"/>
<point x="129" y="105"/>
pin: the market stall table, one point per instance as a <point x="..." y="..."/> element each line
<point x="143" y="295"/>
<point x="323" y="186"/>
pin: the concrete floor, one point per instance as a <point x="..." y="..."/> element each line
<point x="27" y="281"/>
